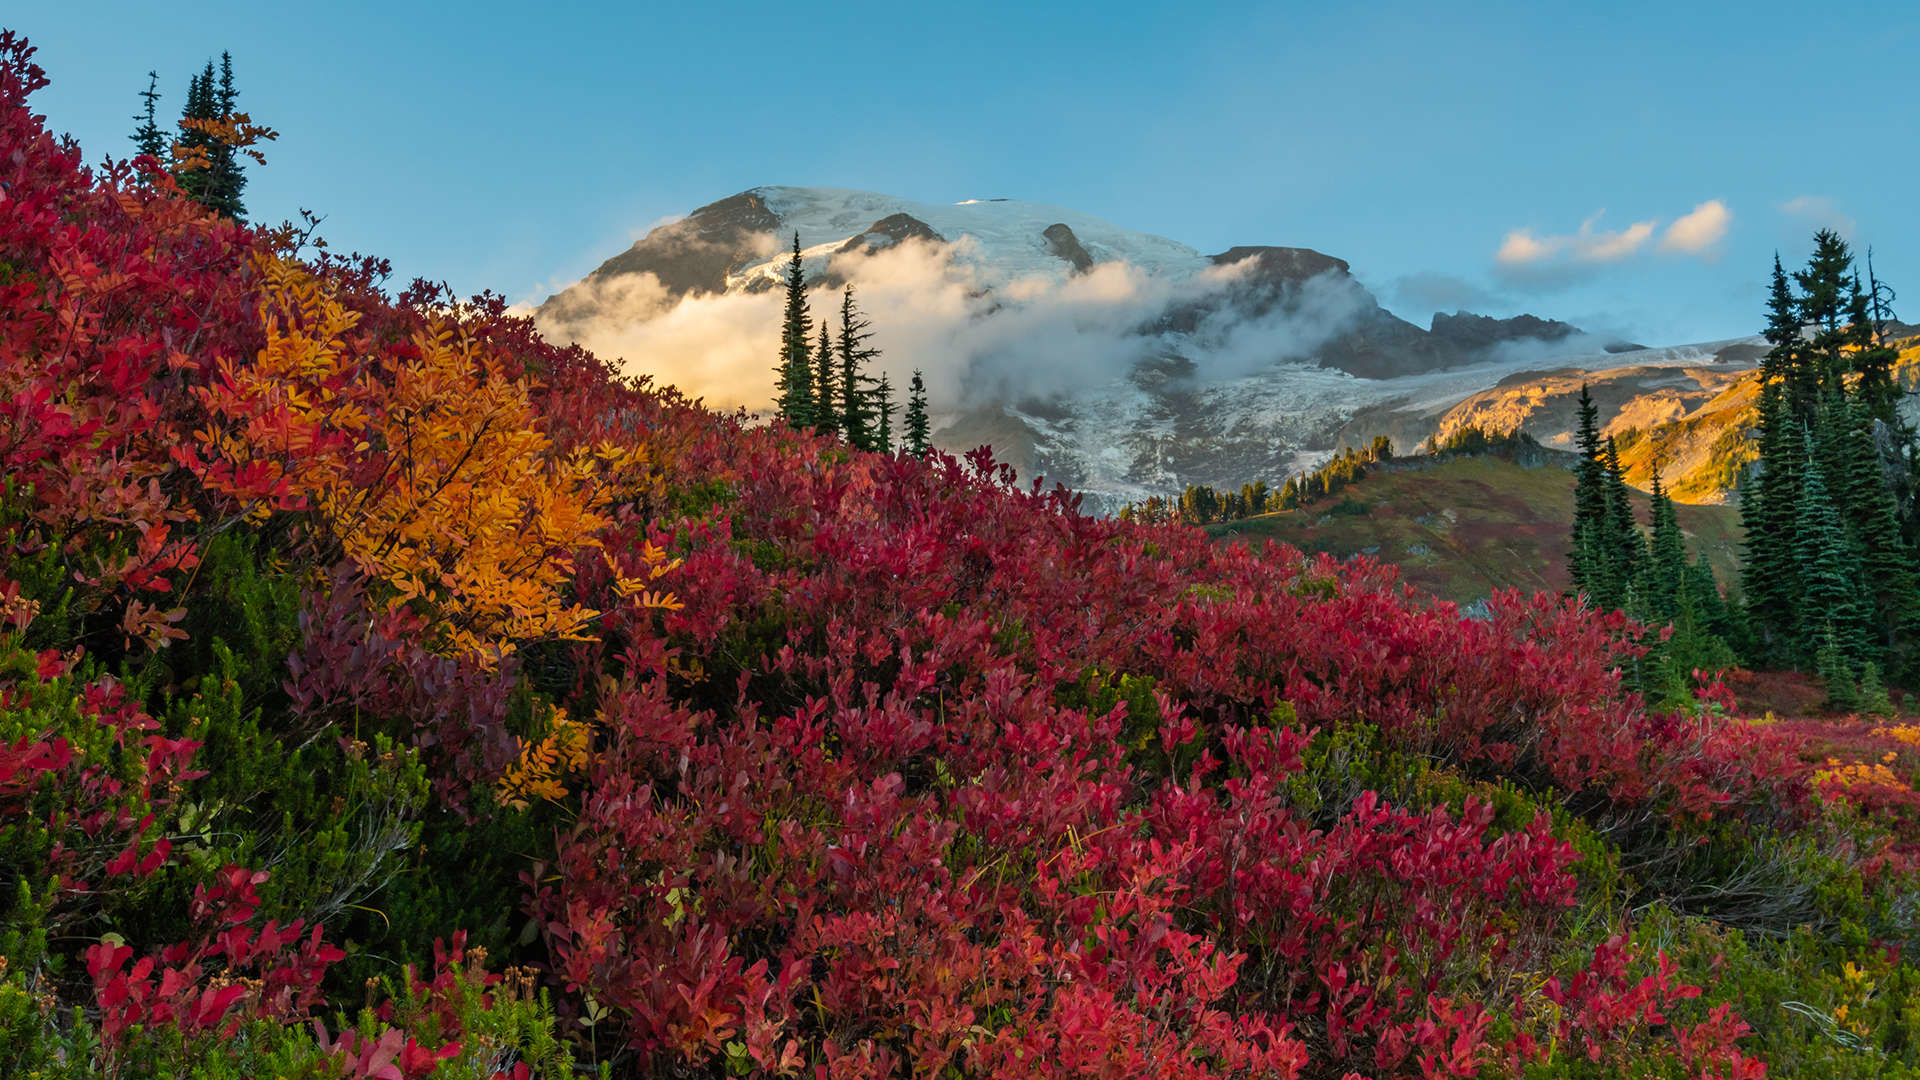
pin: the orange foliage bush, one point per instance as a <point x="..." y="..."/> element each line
<point x="424" y="459"/>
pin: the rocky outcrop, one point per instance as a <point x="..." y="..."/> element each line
<point x="1281" y="265"/>
<point x="689" y="257"/>
<point x="888" y="231"/>
<point x="1063" y="244"/>
<point x="1465" y="330"/>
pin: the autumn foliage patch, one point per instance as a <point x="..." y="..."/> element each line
<point x="748" y="754"/>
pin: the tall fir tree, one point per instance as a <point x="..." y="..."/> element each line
<point x="1890" y="570"/>
<point x="148" y="139"/>
<point x="1588" y="559"/>
<point x="883" y="415"/>
<point x="916" y="429"/>
<point x="202" y="103"/>
<point x="826" y="413"/>
<point x="856" y="394"/>
<point x="793" y="382"/>
<point x="1829" y="296"/>
<point x="1830" y="586"/>
<point x="1770" y="492"/>
<point x="226" y="178"/>
<point x="1666" y="573"/>
<point x="1623" y="545"/>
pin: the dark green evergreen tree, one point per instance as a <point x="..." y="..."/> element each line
<point x="1769" y="513"/>
<point x="1830" y="586"/>
<point x="148" y="139"/>
<point x="793" y="374"/>
<point x="1667" y="572"/>
<point x="226" y="179"/>
<point x="1622" y="547"/>
<point x="202" y="103"/>
<point x="1830" y="298"/>
<point x="883" y="415"/>
<point x="826" y="414"/>
<point x="856" y="393"/>
<point x="1588" y="561"/>
<point x="916" y="429"/>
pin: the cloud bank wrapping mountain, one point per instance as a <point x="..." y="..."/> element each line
<point x="1114" y="361"/>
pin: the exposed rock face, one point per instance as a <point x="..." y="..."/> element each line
<point x="691" y="256"/>
<point x="1280" y="265"/>
<point x="1465" y="330"/>
<point x="1062" y="242"/>
<point x="1375" y="344"/>
<point x="891" y="230"/>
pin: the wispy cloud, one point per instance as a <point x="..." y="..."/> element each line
<point x="1821" y="211"/>
<point x="1522" y="247"/>
<point x="1700" y="231"/>
<point x="1526" y="257"/>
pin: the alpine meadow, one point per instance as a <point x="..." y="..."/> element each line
<point x="849" y="637"/>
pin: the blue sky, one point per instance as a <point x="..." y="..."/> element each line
<point x="514" y="147"/>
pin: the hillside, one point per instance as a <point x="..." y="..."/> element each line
<point x="1461" y="527"/>
<point x="389" y="693"/>
<point x="1690" y="422"/>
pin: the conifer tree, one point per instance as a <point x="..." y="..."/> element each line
<point x="856" y="397"/>
<point x="1783" y="326"/>
<point x="1705" y="591"/>
<point x="1829" y="573"/>
<point x="1667" y="572"/>
<point x="1589" y="500"/>
<point x="226" y="179"/>
<point x="793" y="374"/>
<point x="826" y="415"/>
<point x="916" y="427"/>
<point x="1620" y="549"/>
<point x="883" y="416"/>
<point x="202" y="104"/>
<point x="147" y="138"/>
<point x="1888" y="565"/>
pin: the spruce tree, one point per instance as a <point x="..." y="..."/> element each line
<point x="1783" y="326"/>
<point x="826" y="416"/>
<point x="856" y="397"/>
<point x="883" y="416"/>
<point x="916" y="428"/>
<point x="1589" y="500"/>
<point x="1829" y="293"/>
<point x="1887" y="560"/>
<point x="226" y="179"/>
<point x="147" y="138"/>
<point x="793" y="374"/>
<point x="1769" y="515"/>
<point x="1830" y="587"/>
<point x="202" y="104"/>
<point x="1621" y="546"/>
<point x="1666" y="574"/>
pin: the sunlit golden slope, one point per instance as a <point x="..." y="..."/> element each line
<point x="1692" y="425"/>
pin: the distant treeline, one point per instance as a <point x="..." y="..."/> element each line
<point x="1200" y="504"/>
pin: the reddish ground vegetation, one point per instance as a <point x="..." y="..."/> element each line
<point x="841" y="764"/>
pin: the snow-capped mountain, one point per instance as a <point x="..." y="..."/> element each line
<point x="1117" y="362"/>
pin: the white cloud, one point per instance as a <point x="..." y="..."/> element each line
<point x="1529" y="258"/>
<point x="1521" y="247"/>
<point x="1821" y="211"/>
<point x="1700" y="231"/>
